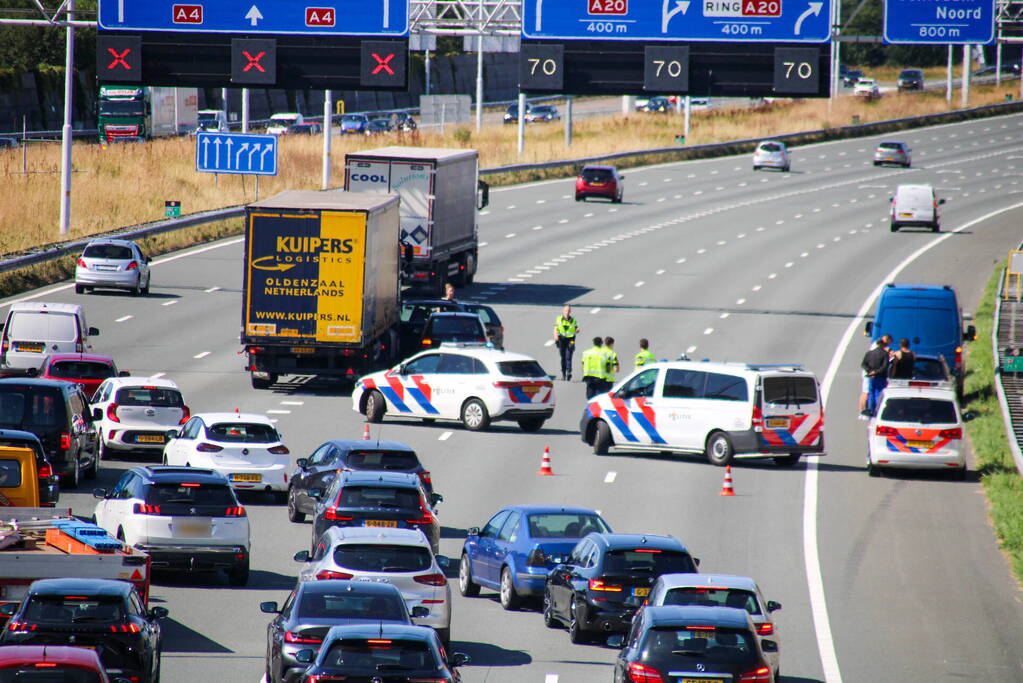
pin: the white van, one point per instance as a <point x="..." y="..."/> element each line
<point x="915" y="205"/>
<point x="724" y="410"/>
<point x="33" y="330"/>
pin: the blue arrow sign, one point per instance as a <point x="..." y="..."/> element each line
<point x="236" y="153"/>
<point x="313" y="17"/>
<point x="939" y="22"/>
<point x="764" y="21"/>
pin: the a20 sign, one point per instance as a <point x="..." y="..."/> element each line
<point x="607" y="7"/>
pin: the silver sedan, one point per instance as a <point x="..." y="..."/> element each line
<point x="112" y="264"/>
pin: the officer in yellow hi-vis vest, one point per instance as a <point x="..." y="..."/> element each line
<point x="644" y="357"/>
<point x="613" y="367"/>
<point x="594" y="367"/>
<point x="565" y="329"/>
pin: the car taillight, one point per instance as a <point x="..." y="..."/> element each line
<point x="757" y="420"/>
<point x="325" y="574"/>
<point x="235" y="511"/>
<point x="185" y="414"/>
<point x="81" y="264"/>
<point x="765" y="629"/>
<point x="882" y="430"/>
<point x="45" y="472"/>
<point x="431" y="579"/>
<point x="427" y="342"/>
<point x="290" y="637"/>
<point x="65" y="441"/>
<point x="21" y="626"/>
<point x="279" y="450"/>
<point x="112" y="412"/>
<point x="641" y="673"/>
<point x="132" y="266"/>
<point x="761" y="675"/>
<point x="599" y="585"/>
<point x="959" y="358"/>
<point x="323" y="679"/>
<point x="124" y="628"/>
<point x="425" y="477"/>
<point x="537" y="558"/>
<point x="427" y="517"/>
<point x="956" y="433"/>
<point x="205" y="447"/>
<point x="146" y="509"/>
<point x="331" y="513"/>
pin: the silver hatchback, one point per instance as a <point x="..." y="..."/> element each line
<point x="892" y="153"/>
<point x="112" y="264"/>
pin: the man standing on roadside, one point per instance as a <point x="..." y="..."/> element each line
<point x="565" y="330"/>
<point x="594" y="366"/>
<point x="644" y="357"/>
<point x="902" y="362"/>
<point x="875" y="367"/>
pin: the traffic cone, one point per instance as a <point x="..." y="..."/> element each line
<point x="545" y="464"/>
<point x="365" y="432"/>
<point x="726" y="486"/>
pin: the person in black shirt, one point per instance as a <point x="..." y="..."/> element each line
<point x="875" y="366"/>
<point x="902" y="361"/>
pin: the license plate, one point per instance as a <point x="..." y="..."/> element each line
<point x="699" y="680"/>
<point x="247" y="477"/>
<point x="597" y="184"/>
<point x="905" y="215"/>
<point x="145" y="438"/>
<point x="532" y="391"/>
<point x="192" y="530"/>
<point x="381" y="522"/>
<point x="919" y="444"/>
<point x="106" y="267"/>
<point x="641" y="592"/>
<point x="31" y="348"/>
<point x="777" y="422"/>
<point x="302" y="349"/>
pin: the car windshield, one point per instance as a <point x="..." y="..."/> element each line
<point x="58" y="673"/>
<point x="353" y="118"/>
<point x="30" y="407"/>
<point x="790" y="391"/>
<point x="282" y="120"/>
<point x="29" y="326"/>
<point x="919" y="410"/>
<point x="386" y="497"/>
<point x="158" y="397"/>
<point x="486" y="313"/>
<point x="117" y="252"/>
<point x="897" y="146"/>
<point x="543" y="110"/>
<point x="61" y="609"/>
<point x="647" y="560"/>
<point x="565" y="525"/>
<point x="713" y="597"/>
<point x="730" y="646"/>
<point x="378" y="654"/>
<point x="191" y="494"/>
<point x="382" y="460"/>
<point x="383" y="558"/>
<point x="929" y="369"/>
<point x="120" y="108"/>
<point x="242" y="432"/>
<point x="770" y="147"/>
<point x="597" y="175"/>
<point x="351" y="605"/>
<point x="457" y="328"/>
<point x="80" y="369"/>
<point x="521" y="368"/>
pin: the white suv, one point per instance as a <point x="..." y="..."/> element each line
<point x="467" y="382"/>
<point x="135" y="413"/>
<point x="400" y="557"/>
<point x="184" y="518"/>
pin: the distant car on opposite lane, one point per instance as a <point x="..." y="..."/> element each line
<point x="378" y="126"/>
<point x="511" y="114"/>
<point x="600" y="181"/>
<point x="543" y="113"/>
<point x="910" y="79"/>
<point x="279" y="123"/>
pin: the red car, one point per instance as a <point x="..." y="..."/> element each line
<point x="86" y="369"/>
<point x="52" y="663"/>
<point x="599" y="181"/>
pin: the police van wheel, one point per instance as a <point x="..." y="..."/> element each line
<point x="375" y="406"/>
<point x="475" y="416"/>
<point x="602" y="440"/>
<point x="787" y="460"/>
<point x="719" y="449"/>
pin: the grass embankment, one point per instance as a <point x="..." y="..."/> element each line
<point x="1001" y="481"/>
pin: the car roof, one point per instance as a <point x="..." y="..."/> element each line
<point x="772" y="142"/>
<point x="547" y="509"/>
<point x="620" y="541"/>
<point x="19" y="434"/>
<point x="138" y="381"/>
<point x="703" y="580"/>
<point x="378" y="630"/>
<point x="166" y="474"/>
<point x="209" y="418"/>
<point x="454" y="314"/>
<point x="80" y="587"/>
<point x="933" y="392"/>
<point x="109" y="240"/>
<point x="96" y="358"/>
<point x="12" y="655"/>
<point x="363" y="587"/>
<point x="285" y="114"/>
<point x="38" y="382"/>
<point x="480" y="351"/>
<point x="597" y="167"/>
<point x="936" y="291"/>
<point x="349" y="445"/>
<point x="371" y="477"/>
<point x="730" y="367"/>
<point x="368" y="534"/>
<point x="697" y="615"/>
<point x="914" y="189"/>
<point x="46" y="305"/>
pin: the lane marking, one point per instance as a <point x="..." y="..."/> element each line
<point x="292" y="403"/>
<point x="201" y="355"/>
<point x="594" y="311"/>
<point x="610" y="477"/>
<point x="691" y="349"/>
<point x="681" y="260"/>
<point x="660" y="272"/>
<point x="550" y="678"/>
<point x="123" y="318"/>
<point x="537" y="227"/>
<point x="724" y="315"/>
<point x="509" y="235"/>
<point x="740" y="302"/>
<point x="211" y="289"/>
<point x="756" y="288"/>
<point x="772" y="276"/>
<point x="277" y="411"/>
<point x="157" y="375"/>
<point x="616" y="297"/>
<point x="169" y="303"/>
<point x="709" y="330"/>
<point x="640" y="283"/>
<point x="549" y="342"/>
<point x="445" y="436"/>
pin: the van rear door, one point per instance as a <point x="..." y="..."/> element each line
<point x="792" y="412"/>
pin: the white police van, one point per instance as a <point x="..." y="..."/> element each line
<point x="724" y="410"/>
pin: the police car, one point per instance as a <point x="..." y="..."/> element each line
<point x="468" y="382"/>
<point x="917" y="426"/>
<point x="723" y="410"/>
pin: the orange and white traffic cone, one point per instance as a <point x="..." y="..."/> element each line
<point x="726" y="486"/>
<point x="365" y="432"/>
<point x="545" y="464"/>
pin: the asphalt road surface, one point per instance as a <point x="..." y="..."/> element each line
<point x="888" y="579"/>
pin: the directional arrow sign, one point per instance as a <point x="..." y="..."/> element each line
<point x="765" y="21"/>
<point x="242" y="153"/>
<point x="939" y="21"/>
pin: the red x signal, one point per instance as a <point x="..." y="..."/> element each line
<point x="383" y="63"/>
<point x="119" y="58"/>
<point x="254" y="61"/>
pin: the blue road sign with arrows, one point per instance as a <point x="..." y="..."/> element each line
<point x="939" y="22"/>
<point x="236" y="153"/>
<point x="368" y="18"/>
<point x="764" y="21"/>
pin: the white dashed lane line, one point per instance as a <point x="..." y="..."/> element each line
<point x="740" y="302"/>
<point x="169" y="303"/>
<point x="640" y="283"/>
<point x="691" y="349"/>
<point x="617" y="297"/>
<point x="201" y="355"/>
<point x="445" y="436"/>
<point x="709" y="330"/>
<point x="509" y="235"/>
<point x="549" y="342"/>
<point x="211" y="289"/>
<point x="157" y="375"/>
<point x="609" y="478"/>
<point x="123" y="318"/>
<point x="756" y="288"/>
<point x="278" y="411"/>
<point x="725" y="316"/>
<point x="594" y="311"/>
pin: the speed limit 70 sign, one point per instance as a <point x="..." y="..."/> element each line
<point x="796" y="70"/>
<point x="666" y="69"/>
<point x="542" y="67"/>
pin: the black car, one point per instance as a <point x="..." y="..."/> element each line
<point x="313" y="608"/>
<point x="318" y="470"/>
<point x="511" y="114"/>
<point x="303" y="129"/>
<point x="693" y="643"/>
<point x="377" y="499"/>
<point x="595" y="590"/>
<point x="910" y="79"/>
<point x="59" y="415"/>
<point x="105" y="615"/>
<point x="388" y="653"/>
<point x="378" y="126"/>
<point x="492" y="323"/>
<point x="452" y="327"/>
<point x="49" y="481"/>
<point x="413" y="317"/>
<point x="851" y="77"/>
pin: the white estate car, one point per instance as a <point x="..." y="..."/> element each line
<point x="134" y="413"/>
<point x="917" y="428"/>
<point x="467" y="382"/>
<point x="868" y="88"/>
<point x="244" y="447"/>
<point x="400" y="557"/>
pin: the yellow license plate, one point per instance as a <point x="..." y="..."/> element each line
<point x="31" y="348"/>
<point x="149" y="439"/>
<point x="597" y="184"/>
<point x="699" y="680"/>
<point x="247" y="477"/>
<point x="381" y="522"/>
<point x="641" y="592"/>
<point x="919" y="444"/>
<point x="905" y="215"/>
<point x="302" y="349"/>
<point x="777" y="422"/>
<point x="187" y="530"/>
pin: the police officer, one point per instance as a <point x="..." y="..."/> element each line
<point x="565" y="329"/>
<point x="594" y="363"/>
<point x="611" y="358"/>
<point x="644" y="356"/>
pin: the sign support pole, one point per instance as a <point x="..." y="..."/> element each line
<point x="65" y="137"/>
<point x="427" y="72"/>
<point x="998" y="58"/>
<point x="521" y="123"/>
<point x="479" y="83"/>
<point x="245" y="110"/>
<point x="948" y="74"/>
<point x="328" y="127"/>
<point x="568" y="121"/>
<point x="964" y="100"/>
<point x="688" y="112"/>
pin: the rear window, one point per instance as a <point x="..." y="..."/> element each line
<point x="59" y="609"/>
<point x="80" y="369"/>
<point x="24" y="407"/>
<point x="108" y="251"/>
<point x="27" y="326"/>
<point x="890" y="145"/>
<point x="351" y="605"/>
<point x="10" y="473"/>
<point x="383" y="558"/>
<point x="386" y="497"/>
<point x="790" y="391"/>
<point x="597" y="175"/>
<point x="713" y="597"/>
<point x="379" y="655"/>
<point x="643" y="560"/>
<point x="158" y="397"/>
<point x="521" y="368"/>
<point x="190" y="494"/>
<point x="565" y="525"/>
<point x="242" y="432"/>
<point x="420" y="312"/>
<point x="922" y="410"/>
<point x="770" y="147"/>
<point x="712" y="645"/>
<point x="929" y="369"/>
<point x="28" y="673"/>
<point x="459" y="329"/>
<point x="382" y="460"/>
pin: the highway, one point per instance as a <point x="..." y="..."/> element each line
<point x="889" y="579"/>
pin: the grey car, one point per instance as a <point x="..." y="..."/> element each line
<point x="893" y="153"/>
<point x="313" y="608"/>
<point x="112" y="264"/>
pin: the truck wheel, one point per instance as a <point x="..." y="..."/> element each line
<point x="475" y="416"/>
<point x="531" y="424"/>
<point x="79" y="289"/>
<point x="602" y="441"/>
<point x="261" y="383"/>
<point x="894" y="226"/>
<point x="719" y="449"/>
<point x="470" y="269"/>
<point x="375" y="406"/>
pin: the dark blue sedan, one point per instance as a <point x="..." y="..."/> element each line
<point x="518" y="546"/>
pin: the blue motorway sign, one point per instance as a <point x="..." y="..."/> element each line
<point x="236" y="153"/>
<point x="765" y="21"/>
<point x="939" y="21"/>
<point x="313" y="17"/>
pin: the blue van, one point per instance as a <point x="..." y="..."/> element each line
<point x="928" y="316"/>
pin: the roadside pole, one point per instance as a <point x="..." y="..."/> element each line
<point x="521" y="123"/>
<point x="948" y="74"/>
<point x="479" y="83"/>
<point x="245" y="110"/>
<point x="328" y="125"/>
<point x="688" y="113"/>
<point x="964" y="100"/>
<point x="427" y="72"/>
<point x="998" y="58"/>
<point x="65" y="137"/>
<point x="568" y="121"/>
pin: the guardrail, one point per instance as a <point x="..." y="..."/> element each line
<point x="1011" y="433"/>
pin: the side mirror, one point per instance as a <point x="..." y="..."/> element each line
<point x="868" y="329"/>
<point x="696" y="561"/>
<point x="124" y="373"/>
<point x="305" y="656"/>
<point x="170" y="433"/>
<point x="99" y="493"/>
<point x="616" y="641"/>
<point x="772" y="605"/>
<point x="436" y="498"/>
<point x="9" y="609"/>
<point x="93" y="331"/>
<point x="769" y="645"/>
<point x="158" y="612"/>
<point x="483" y="198"/>
<point x="443" y="561"/>
<point x="418" y="612"/>
<point x="302" y="463"/>
<point x="402" y="370"/>
<point x="316" y="494"/>
<point x="971" y="333"/>
<point x="460" y="659"/>
<point x="301" y="556"/>
<point x="269" y="608"/>
<point x="891" y="199"/>
<point x="97" y="414"/>
<point x="472" y="531"/>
